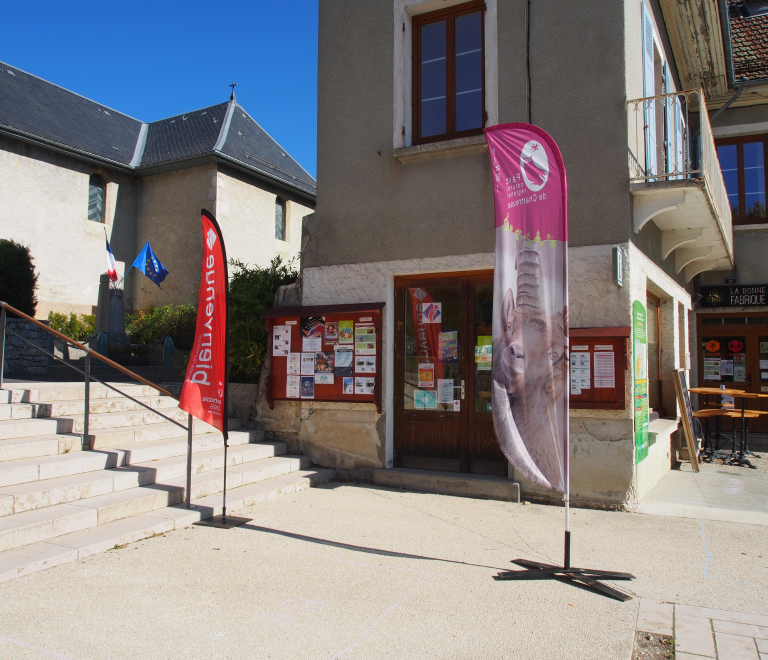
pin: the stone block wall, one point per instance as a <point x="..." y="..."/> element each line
<point x="20" y="357"/>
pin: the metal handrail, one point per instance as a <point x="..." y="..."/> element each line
<point x="92" y="377"/>
<point x="89" y="351"/>
<point x="86" y="372"/>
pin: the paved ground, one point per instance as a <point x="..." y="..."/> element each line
<point x="347" y="571"/>
<point x="717" y="492"/>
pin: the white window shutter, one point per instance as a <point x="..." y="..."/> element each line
<point x="649" y="89"/>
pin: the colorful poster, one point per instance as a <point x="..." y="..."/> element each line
<point x="332" y="332"/>
<point x="343" y="363"/>
<point x="448" y="346"/>
<point x="204" y="392"/>
<point x="484" y="353"/>
<point x="294" y="364"/>
<point x="312" y="330"/>
<point x="307" y="387"/>
<point x="529" y="394"/>
<point x="445" y="390"/>
<point x="346" y="335"/>
<point x="348" y="386"/>
<point x="364" y="385"/>
<point x="640" y="360"/>
<point x="425" y="400"/>
<point x="426" y="376"/>
<point x="307" y="364"/>
<point x="292" y="387"/>
<point x="711" y="368"/>
<point x="324" y="362"/>
<point x="281" y="340"/>
<point x="365" y="364"/>
<point x="365" y="339"/>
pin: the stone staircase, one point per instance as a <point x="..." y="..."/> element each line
<point x="59" y="502"/>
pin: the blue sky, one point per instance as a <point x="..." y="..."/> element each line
<point x="152" y="60"/>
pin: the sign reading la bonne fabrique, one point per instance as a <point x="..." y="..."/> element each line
<point x="750" y="295"/>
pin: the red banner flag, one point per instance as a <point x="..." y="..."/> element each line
<point x="204" y="392"/>
<point x="530" y="303"/>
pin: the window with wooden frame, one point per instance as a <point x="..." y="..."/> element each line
<point x="743" y="164"/>
<point x="448" y="73"/>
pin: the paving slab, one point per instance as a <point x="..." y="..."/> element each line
<point x="735" y="647"/>
<point x="655" y="617"/>
<point x="32" y="558"/>
<point x="722" y="615"/>
<point x="694" y="635"/>
<point x="745" y="630"/>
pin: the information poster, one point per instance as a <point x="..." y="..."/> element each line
<point x="365" y="339"/>
<point x="640" y="360"/>
<point x="292" y="387"/>
<point x="425" y="400"/>
<point x="605" y="370"/>
<point x="307" y="387"/>
<point x="365" y="364"/>
<point x="426" y="376"/>
<point x="580" y="372"/>
<point x="725" y="359"/>
<point x="364" y="385"/>
<point x="348" y="386"/>
<point x="312" y="331"/>
<point x="445" y="390"/>
<point x="307" y="364"/>
<point x="332" y="332"/>
<point x="324" y="363"/>
<point x="323" y="379"/>
<point x="294" y="364"/>
<point x="343" y="364"/>
<point x="281" y="340"/>
<point x="346" y="335"/>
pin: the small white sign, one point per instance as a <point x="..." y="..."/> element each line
<point x="457" y="405"/>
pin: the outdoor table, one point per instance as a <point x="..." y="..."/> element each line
<point x="711" y="449"/>
<point x="740" y="457"/>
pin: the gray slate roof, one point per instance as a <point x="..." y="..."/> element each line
<point x="36" y="110"/>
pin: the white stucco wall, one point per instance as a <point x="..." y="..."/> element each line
<point x="44" y="197"/>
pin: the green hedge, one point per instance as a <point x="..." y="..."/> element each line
<point x="174" y="321"/>
<point x="251" y="293"/>
<point x="18" y="279"/>
<point x="75" y="327"/>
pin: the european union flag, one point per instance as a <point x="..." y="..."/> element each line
<point x="150" y="265"/>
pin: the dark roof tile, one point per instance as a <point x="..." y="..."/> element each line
<point x="44" y="110"/>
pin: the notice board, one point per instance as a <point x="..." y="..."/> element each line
<point x="598" y="362"/>
<point x="325" y="353"/>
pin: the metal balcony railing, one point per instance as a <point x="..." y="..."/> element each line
<point x="662" y="148"/>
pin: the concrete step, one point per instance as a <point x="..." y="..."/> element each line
<point x="30" y="471"/>
<point x="449" y="483"/>
<point x="18" y="410"/>
<point x="75" y="545"/>
<point x="27" y="527"/>
<point x="20" y="448"/>
<point x="48" y="392"/>
<point x="110" y="420"/>
<point x="29" y="428"/>
<point x="104" y="405"/>
<point x="128" y="435"/>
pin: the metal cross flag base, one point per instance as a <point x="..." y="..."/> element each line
<point x="585" y="576"/>
<point x="224" y="522"/>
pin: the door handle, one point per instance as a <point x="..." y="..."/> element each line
<point x="456" y="387"/>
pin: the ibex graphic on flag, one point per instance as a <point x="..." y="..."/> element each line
<point x="529" y="370"/>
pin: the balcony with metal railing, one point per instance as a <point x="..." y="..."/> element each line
<point x="676" y="182"/>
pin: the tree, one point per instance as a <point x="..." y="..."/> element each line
<point x="18" y="279"/>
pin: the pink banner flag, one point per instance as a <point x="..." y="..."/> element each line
<point x="530" y="303"/>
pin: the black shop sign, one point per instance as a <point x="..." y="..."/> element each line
<point x="748" y="295"/>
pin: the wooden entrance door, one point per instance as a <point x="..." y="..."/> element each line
<point x="740" y="343"/>
<point x="442" y="392"/>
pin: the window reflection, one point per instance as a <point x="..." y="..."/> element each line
<point x="754" y="180"/>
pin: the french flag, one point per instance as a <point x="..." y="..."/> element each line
<point x="111" y="265"/>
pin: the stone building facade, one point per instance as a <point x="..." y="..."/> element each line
<point x="73" y="170"/>
<point x="621" y="92"/>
